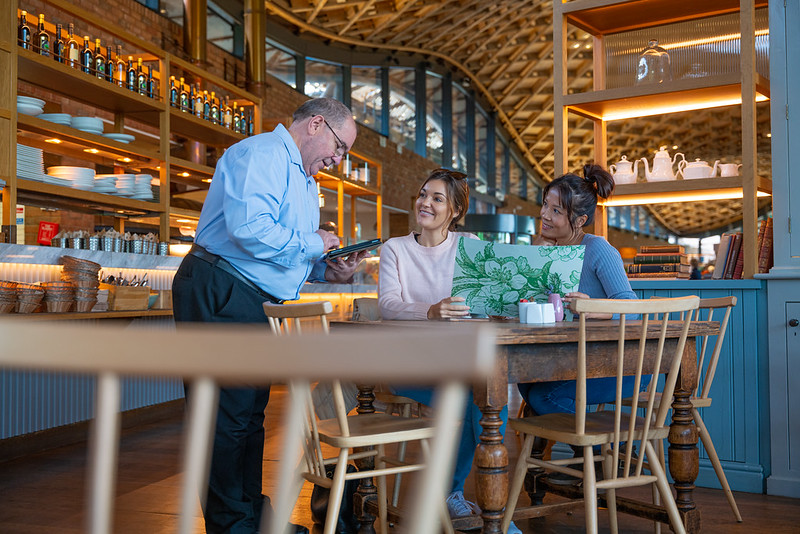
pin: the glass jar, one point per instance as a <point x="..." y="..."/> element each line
<point x="653" y="65"/>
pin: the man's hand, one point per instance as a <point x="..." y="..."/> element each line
<point x="329" y="240"/>
<point x="340" y="271"/>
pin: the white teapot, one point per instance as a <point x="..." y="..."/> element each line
<point x="691" y="170"/>
<point x="624" y="171"/>
<point x="729" y="169"/>
<point x="662" y="166"/>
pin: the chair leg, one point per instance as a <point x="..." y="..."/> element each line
<point x="611" y="494"/>
<point x="382" y="512"/>
<point x="656" y="494"/>
<point x="516" y="481"/>
<point x="337" y="490"/>
<point x="712" y="455"/>
<point x="447" y="524"/>
<point x="589" y="490"/>
<point x="401" y="456"/>
<point x="666" y="491"/>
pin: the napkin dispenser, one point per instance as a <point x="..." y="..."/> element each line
<point x="533" y="313"/>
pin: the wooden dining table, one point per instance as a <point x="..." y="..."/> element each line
<point x="541" y="353"/>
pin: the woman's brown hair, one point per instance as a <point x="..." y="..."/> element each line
<point x="457" y="191"/>
<point x="579" y="195"/>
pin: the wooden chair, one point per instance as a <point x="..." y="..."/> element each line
<point x="701" y="396"/>
<point x="210" y="354"/>
<point x="367" y="433"/>
<point x="612" y="428"/>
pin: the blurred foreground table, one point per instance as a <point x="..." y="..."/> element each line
<point x="542" y="353"/>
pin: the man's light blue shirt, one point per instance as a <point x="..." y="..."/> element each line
<point x="262" y="213"/>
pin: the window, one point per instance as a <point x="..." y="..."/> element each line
<point x="500" y="174"/>
<point x="460" y="152"/>
<point x="282" y="65"/>
<point x="220" y="28"/>
<point x="323" y="79"/>
<point x="515" y="178"/>
<point x="482" y="160"/>
<point x="366" y="96"/>
<point x="433" y="117"/>
<point x="402" y="108"/>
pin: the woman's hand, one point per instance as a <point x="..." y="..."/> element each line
<point x="571" y="297"/>
<point x="447" y="308"/>
<point x="543" y="241"/>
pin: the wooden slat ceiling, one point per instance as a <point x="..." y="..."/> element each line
<point x="504" y="51"/>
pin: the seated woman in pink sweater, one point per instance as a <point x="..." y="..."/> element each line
<point x="415" y="281"/>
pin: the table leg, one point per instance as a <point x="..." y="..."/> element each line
<point x="491" y="463"/>
<point x="684" y="458"/>
<point x="366" y="488"/>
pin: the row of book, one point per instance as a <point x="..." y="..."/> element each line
<point x="730" y="260"/>
<point x="660" y="261"/>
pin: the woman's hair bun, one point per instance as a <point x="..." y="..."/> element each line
<point x="600" y="178"/>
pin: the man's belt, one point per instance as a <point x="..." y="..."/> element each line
<point x="221" y="263"/>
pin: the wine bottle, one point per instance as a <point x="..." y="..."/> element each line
<point x="42" y="38"/>
<point x="121" y="68"/>
<point x="198" y="102"/>
<point x="236" y="118"/>
<point x="73" y="51"/>
<point x="227" y="118"/>
<point x="87" y="58"/>
<point x="59" y="45"/>
<point x="130" y="75"/>
<point x="214" y="108"/>
<point x="250" y="123"/>
<point x="141" y="78"/>
<point x="24" y="35"/>
<point x="206" y="106"/>
<point x="184" y="98"/>
<point x="152" y="83"/>
<point x="99" y="61"/>
<point x="174" y="93"/>
<point x="110" y="65"/>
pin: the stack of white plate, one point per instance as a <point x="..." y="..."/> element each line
<point x="142" y="189"/>
<point x="88" y="124"/>
<point x="29" y="163"/>
<point x="58" y="118"/>
<point x="76" y="177"/>
<point x="126" y="184"/>
<point x="105" y="183"/>
<point x="27" y="105"/>
<point x="121" y="137"/>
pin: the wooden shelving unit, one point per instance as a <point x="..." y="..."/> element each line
<point x="604" y="17"/>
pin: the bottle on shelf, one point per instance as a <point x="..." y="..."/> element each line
<point x="24" y="35"/>
<point x="59" y="45"/>
<point x="73" y="52"/>
<point x="184" y="97"/>
<point x="130" y="75"/>
<point x="236" y="119"/>
<point x="214" y="113"/>
<point x="99" y="61"/>
<point x="250" y="123"/>
<point x="206" y="106"/>
<point x="174" y="93"/>
<point x="42" y="38"/>
<point x="152" y="83"/>
<point x="87" y="57"/>
<point x="198" y="102"/>
<point x="227" y="117"/>
<point x="141" y="78"/>
<point x="121" y="68"/>
<point x="110" y="65"/>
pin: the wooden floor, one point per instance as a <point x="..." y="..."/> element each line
<point x="43" y="493"/>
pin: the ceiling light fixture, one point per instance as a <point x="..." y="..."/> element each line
<point x="54" y="141"/>
<point x="91" y="150"/>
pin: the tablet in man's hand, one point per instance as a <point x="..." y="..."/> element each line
<point x="344" y="251"/>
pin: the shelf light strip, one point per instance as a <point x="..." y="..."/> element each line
<point x="669" y="198"/>
<point x="675" y="108"/>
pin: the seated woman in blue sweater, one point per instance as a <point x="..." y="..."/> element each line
<point x="569" y="205"/>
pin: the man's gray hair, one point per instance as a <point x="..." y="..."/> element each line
<point x="334" y="111"/>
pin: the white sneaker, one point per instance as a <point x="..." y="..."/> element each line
<point x="458" y="506"/>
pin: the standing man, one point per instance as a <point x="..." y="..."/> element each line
<point x="258" y="240"/>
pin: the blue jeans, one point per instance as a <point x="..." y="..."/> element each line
<point x="559" y="396"/>
<point x="470" y="431"/>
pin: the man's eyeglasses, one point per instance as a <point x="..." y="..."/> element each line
<point x="341" y="147"/>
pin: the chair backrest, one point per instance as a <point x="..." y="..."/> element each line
<point x="715" y="306"/>
<point x="643" y="348"/>
<point x="209" y="354"/>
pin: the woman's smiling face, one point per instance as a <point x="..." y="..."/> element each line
<point x="555" y="223"/>
<point x="432" y="207"/>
